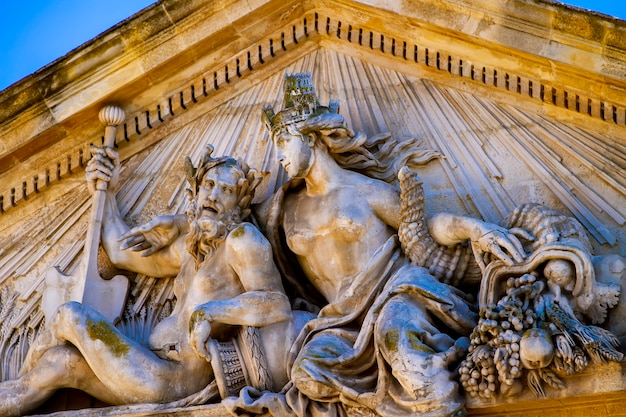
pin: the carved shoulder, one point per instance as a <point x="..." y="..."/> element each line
<point x="385" y="201"/>
<point x="250" y="255"/>
<point x="247" y="241"/>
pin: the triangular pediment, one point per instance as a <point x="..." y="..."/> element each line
<point x="159" y="65"/>
<point x="514" y="121"/>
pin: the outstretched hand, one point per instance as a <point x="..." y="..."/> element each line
<point x="503" y="243"/>
<point x="104" y="165"/>
<point x="153" y="236"/>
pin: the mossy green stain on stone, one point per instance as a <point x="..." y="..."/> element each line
<point x="416" y="343"/>
<point x="392" y="337"/>
<point x="392" y="340"/>
<point x="196" y="317"/>
<point x="102" y="330"/>
<point x="238" y="232"/>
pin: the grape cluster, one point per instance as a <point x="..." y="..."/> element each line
<point x="517" y="282"/>
<point x="493" y="356"/>
<point x="478" y="373"/>
<point x="507" y="358"/>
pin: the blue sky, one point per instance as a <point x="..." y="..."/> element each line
<point x="35" y="33"/>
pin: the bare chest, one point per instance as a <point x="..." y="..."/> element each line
<point x="214" y="280"/>
<point x="338" y="216"/>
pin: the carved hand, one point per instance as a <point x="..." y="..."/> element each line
<point x="500" y="241"/>
<point x="199" y="333"/>
<point x="104" y="165"/>
<point x="155" y="235"/>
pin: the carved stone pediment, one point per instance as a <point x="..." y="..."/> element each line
<point x="516" y="120"/>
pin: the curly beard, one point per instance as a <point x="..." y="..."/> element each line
<point x="205" y="235"/>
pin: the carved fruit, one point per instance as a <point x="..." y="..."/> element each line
<point x="536" y="348"/>
<point x="560" y="272"/>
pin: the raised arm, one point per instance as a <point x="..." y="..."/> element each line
<point x="105" y="165"/>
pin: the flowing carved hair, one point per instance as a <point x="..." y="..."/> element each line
<point x="379" y="157"/>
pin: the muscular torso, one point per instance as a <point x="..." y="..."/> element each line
<point x="334" y="234"/>
<point x="215" y="280"/>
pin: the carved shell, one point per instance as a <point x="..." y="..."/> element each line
<point x="547" y="225"/>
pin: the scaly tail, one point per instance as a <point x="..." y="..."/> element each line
<point x="448" y="264"/>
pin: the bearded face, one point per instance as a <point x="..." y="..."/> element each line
<point x="214" y="209"/>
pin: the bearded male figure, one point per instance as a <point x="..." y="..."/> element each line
<point x="225" y="279"/>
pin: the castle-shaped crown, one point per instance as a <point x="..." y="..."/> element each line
<point x="300" y="103"/>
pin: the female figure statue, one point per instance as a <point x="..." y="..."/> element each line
<point x="387" y="335"/>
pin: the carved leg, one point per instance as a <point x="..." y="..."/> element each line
<point x="59" y="367"/>
<point x="46" y="340"/>
<point x="131" y="372"/>
<point x="419" y="355"/>
<point x="54" y="334"/>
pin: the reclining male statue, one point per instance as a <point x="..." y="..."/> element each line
<point x="225" y="279"/>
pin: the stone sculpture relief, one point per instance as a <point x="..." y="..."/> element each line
<point x="375" y="344"/>
<point x="345" y="278"/>
<point x="227" y="289"/>
<point x="537" y="318"/>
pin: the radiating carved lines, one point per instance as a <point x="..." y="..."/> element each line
<point x="15" y="334"/>
<point x="358" y="99"/>
<point x="39" y="233"/>
<point x="29" y="251"/>
<point x="151" y="300"/>
<point x="387" y="100"/>
<point x="461" y="125"/>
<point x="545" y="165"/>
<point x="456" y="136"/>
<point x="374" y="98"/>
<point x="232" y="129"/>
<point x="416" y="114"/>
<point x="552" y="135"/>
<point x="601" y="155"/>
